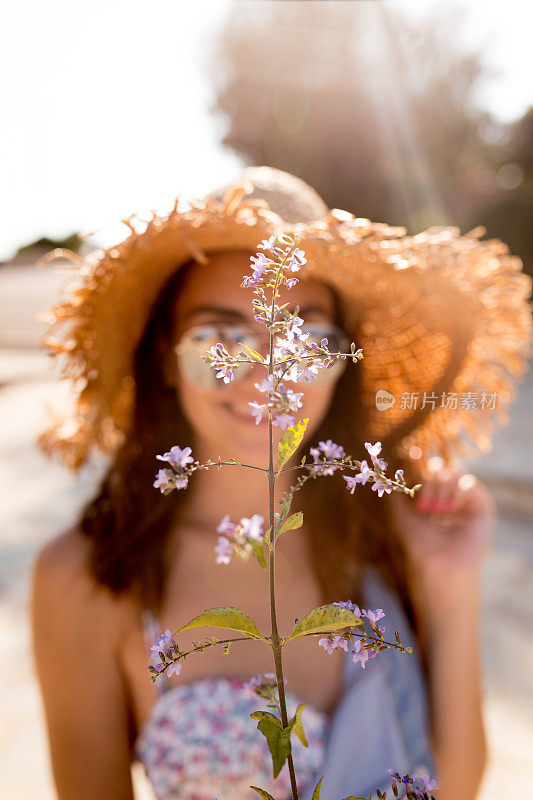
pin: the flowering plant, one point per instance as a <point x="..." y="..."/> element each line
<point x="342" y="625"/>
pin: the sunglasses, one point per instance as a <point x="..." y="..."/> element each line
<point x="195" y="341"/>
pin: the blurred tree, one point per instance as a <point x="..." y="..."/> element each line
<point x="376" y="112"/>
<point x="508" y="216"/>
<point x="34" y="250"/>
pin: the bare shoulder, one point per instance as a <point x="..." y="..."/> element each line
<point x="63" y="588"/>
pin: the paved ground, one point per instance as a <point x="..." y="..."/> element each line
<point x="41" y="498"/>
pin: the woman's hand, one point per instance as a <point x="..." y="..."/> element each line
<point x="447" y="529"/>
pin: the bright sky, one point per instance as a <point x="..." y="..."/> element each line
<point x="105" y="105"/>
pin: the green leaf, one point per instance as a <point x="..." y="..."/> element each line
<point x="292" y="522"/>
<point x="325" y="618"/>
<point x="261" y="792"/>
<point x="258" y="552"/>
<point x="255" y="355"/>
<point x="316" y="793"/>
<point x="278" y="738"/>
<point x="297" y="725"/>
<point x="267" y="534"/>
<point x="225" y="617"/>
<point x="267" y="715"/>
<point x="290" y="440"/>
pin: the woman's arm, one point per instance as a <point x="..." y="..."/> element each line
<point x="447" y="532"/>
<point x="84" y="700"/>
<point x="455" y="684"/>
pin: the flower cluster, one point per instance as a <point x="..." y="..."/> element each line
<point x="165" y="649"/>
<point x="328" y="457"/>
<point x="283" y="402"/>
<point x="176" y="477"/>
<point x="326" y="451"/>
<point x="365" y="647"/>
<point x="238" y="537"/>
<point x="412" y="792"/>
<point x="265" y="270"/>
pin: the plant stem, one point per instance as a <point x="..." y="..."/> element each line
<point x="275" y="638"/>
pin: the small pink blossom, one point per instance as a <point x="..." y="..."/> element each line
<point x="361" y="655"/>
<point x="381" y="487"/>
<point x="373" y="616"/>
<point x="257" y="411"/>
<point x="283" y="421"/>
<point x="177" y="458"/>
<point x="223" y="550"/>
<point x="164" y="481"/>
<point x="334" y="643"/>
<point x="253" y="527"/>
<point x="225" y="525"/>
<point x="174" y="668"/>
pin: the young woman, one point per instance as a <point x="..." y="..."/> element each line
<point x="139" y="562"/>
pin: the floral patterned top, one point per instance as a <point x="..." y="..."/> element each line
<point x="199" y="741"/>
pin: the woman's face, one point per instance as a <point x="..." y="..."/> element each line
<point x="220" y="417"/>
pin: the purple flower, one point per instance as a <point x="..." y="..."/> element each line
<point x="298" y="259"/>
<point x="351" y="482"/>
<point x="373" y="616"/>
<point x="181" y="482"/>
<point x="217" y="351"/>
<point x="260" y="263"/>
<point x="428" y="785"/>
<point x="365" y="473"/>
<point x="257" y="411"/>
<point x="308" y="374"/>
<point x="283" y="421"/>
<point x="177" y="457"/>
<point x="381" y="487"/>
<point x="294" y="399"/>
<point x="223" y="550"/>
<point x="359" y="654"/>
<point x="350" y="606"/>
<point x="373" y="449"/>
<point x="266" y="385"/>
<point x="331" y="644"/>
<point x="331" y="450"/>
<point x="268" y="244"/>
<point x="225" y="526"/>
<point x="290" y="282"/>
<point x="253" y="528"/>
<point x="163" y="642"/>
<point x="164" y="481"/>
<point x="398" y="474"/>
<point x="293" y="327"/>
<point x="225" y="372"/>
<point x="361" y="477"/>
<point x="174" y="668"/>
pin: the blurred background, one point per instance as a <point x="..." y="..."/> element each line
<point x="411" y="113"/>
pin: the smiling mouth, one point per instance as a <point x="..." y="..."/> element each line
<point x="242" y="414"/>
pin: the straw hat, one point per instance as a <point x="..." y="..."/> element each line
<point x="435" y="313"/>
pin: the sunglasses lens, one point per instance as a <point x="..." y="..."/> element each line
<point x="196" y="341"/>
<point x="194" y="344"/>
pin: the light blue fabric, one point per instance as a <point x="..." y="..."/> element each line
<point x="382" y="721"/>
